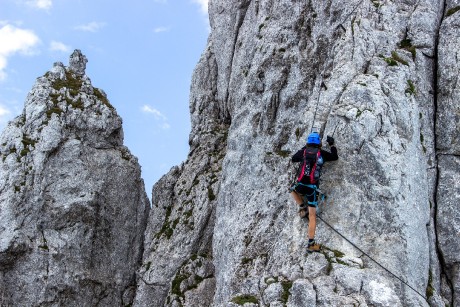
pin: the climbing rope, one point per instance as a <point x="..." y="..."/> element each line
<point x="367" y="255"/>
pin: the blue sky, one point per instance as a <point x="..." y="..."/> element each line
<point x="141" y="53"/>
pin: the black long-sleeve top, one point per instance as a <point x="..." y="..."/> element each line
<point x="327" y="156"/>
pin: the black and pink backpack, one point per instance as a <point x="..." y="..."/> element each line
<point x="310" y="168"/>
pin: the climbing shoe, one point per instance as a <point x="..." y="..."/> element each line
<point x="303" y="211"/>
<point x="313" y="247"/>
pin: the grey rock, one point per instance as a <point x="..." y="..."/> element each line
<point x="437" y="301"/>
<point x="73" y="207"/>
<point x="448" y="148"/>
<point x="315" y="265"/>
<point x="448" y="220"/>
<point x="201" y="296"/>
<point x="77" y="63"/>
<point x="360" y="71"/>
<point x="448" y="115"/>
<point x="223" y="229"/>
<point x="379" y="293"/>
<point x="302" y="294"/>
<point x="273" y="293"/>
<point x="350" y="280"/>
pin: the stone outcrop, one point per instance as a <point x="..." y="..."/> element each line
<point x="447" y="200"/>
<point x="73" y="206"/>
<point x="178" y="262"/>
<point x="379" y="76"/>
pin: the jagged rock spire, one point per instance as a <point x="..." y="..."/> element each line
<point x="77" y="62"/>
<point x="73" y="206"/>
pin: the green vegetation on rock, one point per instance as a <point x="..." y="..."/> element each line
<point x="283" y="153"/>
<point x="411" y="88"/>
<point x="73" y="84"/>
<point x="53" y="110"/>
<point x="211" y="195"/>
<point x="394" y="59"/>
<point x="407" y="45"/>
<point x="429" y="287"/>
<point x="28" y="143"/>
<point x="397" y="58"/>
<point x="166" y="228"/>
<point x="287" y="285"/>
<point x="243" y="299"/>
<point x="452" y="11"/>
<point x="390" y="61"/>
<point x="102" y="98"/>
<point x="297" y="134"/>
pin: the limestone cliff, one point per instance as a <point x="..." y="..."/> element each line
<point x="447" y="197"/>
<point x="73" y="206"/>
<point x="379" y="76"/>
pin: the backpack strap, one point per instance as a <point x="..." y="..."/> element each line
<point x="302" y="171"/>
<point x="312" y="173"/>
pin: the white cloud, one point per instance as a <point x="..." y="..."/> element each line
<point x="151" y="110"/>
<point x="41" y="4"/>
<point x="14" y="40"/>
<point x="165" y="126"/>
<point x="163" y="120"/>
<point x="58" y="46"/>
<point x="2" y="74"/>
<point x="4" y="115"/>
<point x="93" y="26"/>
<point x="4" y="111"/>
<point x="161" y="29"/>
<point x="203" y="5"/>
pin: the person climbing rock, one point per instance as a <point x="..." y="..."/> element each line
<point x="307" y="181"/>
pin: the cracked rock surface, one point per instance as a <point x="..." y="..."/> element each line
<point x="381" y="77"/>
<point x="448" y="153"/>
<point x="73" y="206"/>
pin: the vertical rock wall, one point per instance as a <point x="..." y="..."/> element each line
<point x="379" y="76"/>
<point x="370" y="73"/>
<point x="357" y="70"/>
<point x="448" y="152"/>
<point x="72" y="202"/>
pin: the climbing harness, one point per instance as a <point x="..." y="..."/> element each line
<point x="367" y="255"/>
<point x="318" y="195"/>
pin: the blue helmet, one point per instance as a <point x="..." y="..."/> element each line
<point x="313" y="138"/>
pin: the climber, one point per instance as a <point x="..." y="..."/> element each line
<point x="307" y="181"/>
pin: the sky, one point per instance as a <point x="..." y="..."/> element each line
<point x="140" y="52"/>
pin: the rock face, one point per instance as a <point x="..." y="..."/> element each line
<point x="379" y="76"/>
<point x="178" y="262"/>
<point x="448" y="153"/>
<point x="73" y="206"/>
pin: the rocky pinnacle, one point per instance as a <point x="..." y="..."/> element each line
<point x="73" y="206"/>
